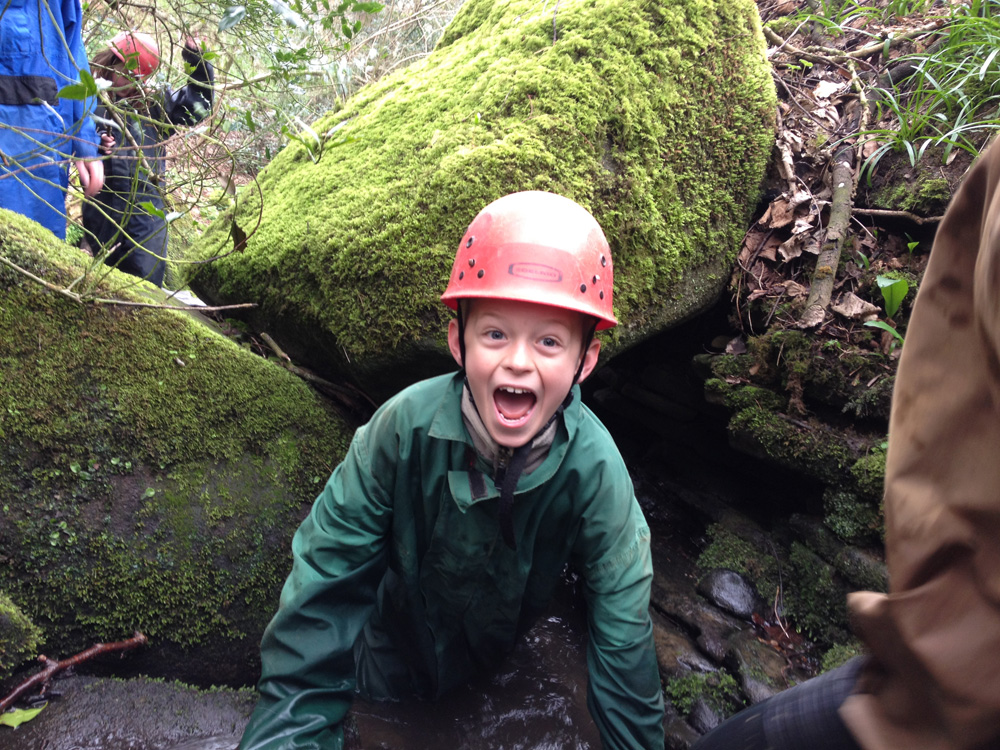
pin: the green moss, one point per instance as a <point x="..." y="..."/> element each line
<point x="155" y="470"/>
<point x="19" y="637"/>
<point x="869" y="472"/>
<point x="727" y="549"/>
<point x="850" y="518"/>
<point x="924" y="196"/>
<point x="816" y="451"/>
<point x="841" y="653"/>
<point x="656" y="116"/>
<point x="815" y="599"/>
<point x="718" y="689"/>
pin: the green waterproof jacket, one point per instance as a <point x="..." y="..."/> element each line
<point x="403" y="548"/>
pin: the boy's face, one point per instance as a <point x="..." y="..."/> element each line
<point x="520" y="359"/>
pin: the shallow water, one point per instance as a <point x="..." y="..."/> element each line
<point x="537" y="700"/>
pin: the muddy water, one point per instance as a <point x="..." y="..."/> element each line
<point x="537" y="700"/>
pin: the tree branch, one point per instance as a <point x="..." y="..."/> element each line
<point x="52" y="668"/>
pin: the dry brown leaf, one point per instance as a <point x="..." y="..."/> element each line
<point x="780" y="212"/>
<point x="852" y="307"/>
<point x="794" y="289"/>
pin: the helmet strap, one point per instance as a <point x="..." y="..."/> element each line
<point x="588" y="337"/>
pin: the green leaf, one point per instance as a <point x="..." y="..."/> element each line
<point x="367" y="7"/>
<point x="885" y="327"/>
<point x="86" y="87"/>
<point x="893" y="292"/>
<point x="233" y="15"/>
<point x="18" y="716"/>
<point x="149" y="490"/>
<point x="149" y="208"/>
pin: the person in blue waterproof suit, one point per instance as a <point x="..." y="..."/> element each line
<point x="132" y="135"/>
<point x="441" y="536"/>
<point x="41" y="51"/>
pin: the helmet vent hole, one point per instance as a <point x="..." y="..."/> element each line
<point x="481" y="273"/>
<point x="461" y="275"/>
<point x="472" y="262"/>
<point x="469" y="242"/>
<point x="602" y="295"/>
<point x="583" y="287"/>
<point x="604" y="260"/>
<point x="596" y="279"/>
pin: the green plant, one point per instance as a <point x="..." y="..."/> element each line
<point x="952" y="98"/>
<point x="893" y="292"/>
<point x="886" y="327"/>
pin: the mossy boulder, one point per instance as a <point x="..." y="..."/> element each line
<point x="19" y="637"/>
<point x="657" y="116"/>
<point x="151" y="470"/>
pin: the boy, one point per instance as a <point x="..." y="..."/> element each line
<point x="441" y="536"/>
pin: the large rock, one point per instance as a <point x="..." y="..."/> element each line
<point x="658" y="116"/>
<point x="151" y="471"/>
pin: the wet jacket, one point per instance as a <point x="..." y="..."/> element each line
<point x="934" y="681"/>
<point x="404" y="542"/>
<point x="40" y="132"/>
<point x="115" y="217"/>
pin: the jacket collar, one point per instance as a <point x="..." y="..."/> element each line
<point x="467" y="488"/>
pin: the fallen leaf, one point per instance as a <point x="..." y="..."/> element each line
<point x="852" y="307"/>
<point x="826" y="89"/>
<point x="18" y="716"/>
<point x="736" y="346"/>
<point x="794" y="289"/>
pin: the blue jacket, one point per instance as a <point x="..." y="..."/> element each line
<point x="39" y="132"/>
<point x="404" y="547"/>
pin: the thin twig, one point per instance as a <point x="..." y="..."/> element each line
<point x="886" y="214"/>
<point x="53" y="667"/>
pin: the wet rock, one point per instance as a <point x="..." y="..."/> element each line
<point x="94" y="713"/>
<point x="728" y="590"/>
<point x="862" y="568"/>
<point x="678" y="734"/>
<point x="760" y="668"/>
<point x="704" y="718"/>
<point x="675" y="651"/>
<point x="684" y="606"/>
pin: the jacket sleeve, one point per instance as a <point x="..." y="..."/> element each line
<point x="192" y="103"/>
<point x="624" y="694"/>
<point x="82" y="127"/>
<point x="339" y="557"/>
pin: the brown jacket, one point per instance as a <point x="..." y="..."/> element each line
<point x="934" y="681"/>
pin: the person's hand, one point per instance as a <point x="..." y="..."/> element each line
<point x="107" y="143"/>
<point x="91" y="176"/>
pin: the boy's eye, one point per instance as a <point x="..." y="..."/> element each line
<point x="495" y="335"/>
<point x="549" y="341"/>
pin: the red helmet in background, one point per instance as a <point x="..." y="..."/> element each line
<point x="535" y="247"/>
<point x="137" y="50"/>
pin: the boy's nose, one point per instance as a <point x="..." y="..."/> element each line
<point x="518" y="356"/>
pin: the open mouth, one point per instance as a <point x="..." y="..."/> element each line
<point x="513" y="405"/>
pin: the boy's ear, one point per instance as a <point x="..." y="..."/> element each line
<point x="590" y="359"/>
<point x="453" y="343"/>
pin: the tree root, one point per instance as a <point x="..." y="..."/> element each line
<point x="52" y="668"/>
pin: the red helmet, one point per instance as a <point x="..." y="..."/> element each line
<point x="137" y="50"/>
<point x="535" y="247"/>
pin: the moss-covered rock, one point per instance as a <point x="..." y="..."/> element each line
<point x="19" y="637"/>
<point x="151" y="471"/>
<point x="656" y="116"/>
